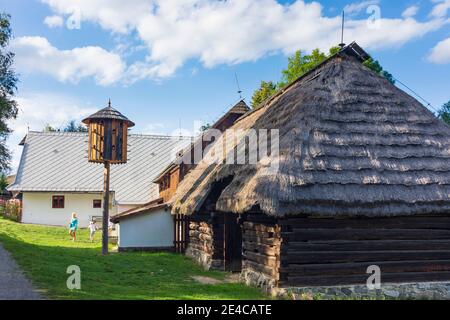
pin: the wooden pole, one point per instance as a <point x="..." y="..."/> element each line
<point x="105" y="208"/>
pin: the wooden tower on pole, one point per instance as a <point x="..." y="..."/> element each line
<point x="108" y="136"/>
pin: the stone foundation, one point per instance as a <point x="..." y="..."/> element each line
<point x="253" y="278"/>
<point x="204" y="259"/>
<point x="403" y="291"/>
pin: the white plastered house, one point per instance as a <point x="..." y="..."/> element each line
<point x="55" y="177"/>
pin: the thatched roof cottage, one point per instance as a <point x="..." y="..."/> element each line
<point x="363" y="178"/>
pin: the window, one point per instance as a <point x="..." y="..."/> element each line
<point x="97" y="204"/>
<point x="58" y="202"/>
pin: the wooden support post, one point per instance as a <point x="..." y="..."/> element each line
<point x="105" y="237"/>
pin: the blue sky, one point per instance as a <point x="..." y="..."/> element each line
<point x="166" y="63"/>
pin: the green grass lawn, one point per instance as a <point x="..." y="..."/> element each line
<point x="45" y="253"/>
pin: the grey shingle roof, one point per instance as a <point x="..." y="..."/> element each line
<point x="57" y="161"/>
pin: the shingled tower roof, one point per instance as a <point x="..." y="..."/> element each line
<point x="108" y="113"/>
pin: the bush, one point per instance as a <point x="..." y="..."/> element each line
<point x="13" y="210"/>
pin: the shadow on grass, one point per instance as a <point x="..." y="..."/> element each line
<point x="119" y="275"/>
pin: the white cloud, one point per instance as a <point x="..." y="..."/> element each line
<point x="235" y="31"/>
<point x="410" y="12"/>
<point x="441" y="52"/>
<point x="116" y="15"/>
<point x="357" y="7"/>
<point x="36" y="54"/>
<point x="54" y="21"/>
<point x="154" y="128"/>
<point x="37" y="110"/>
<point x="441" y="8"/>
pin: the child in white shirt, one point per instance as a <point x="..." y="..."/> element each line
<point x="92" y="228"/>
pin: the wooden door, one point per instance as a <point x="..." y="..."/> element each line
<point x="232" y="243"/>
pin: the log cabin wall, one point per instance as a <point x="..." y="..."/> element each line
<point x="261" y="245"/>
<point x="206" y="241"/>
<point x="327" y="252"/>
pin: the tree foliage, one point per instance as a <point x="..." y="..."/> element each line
<point x="72" y="126"/>
<point x="49" y="128"/>
<point x="266" y="89"/>
<point x="444" y="113"/>
<point x="3" y="182"/>
<point x="8" y="87"/>
<point x="299" y="64"/>
<point x="375" y="66"/>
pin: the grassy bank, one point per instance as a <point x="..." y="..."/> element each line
<point x="45" y="253"/>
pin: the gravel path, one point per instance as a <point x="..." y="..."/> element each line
<point x="13" y="283"/>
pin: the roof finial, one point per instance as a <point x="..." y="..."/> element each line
<point x="109" y="103"/>
<point x="238" y="87"/>
<point x="342" y="44"/>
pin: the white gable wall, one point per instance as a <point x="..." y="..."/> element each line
<point x="37" y="208"/>
<point x="152" y="230"/>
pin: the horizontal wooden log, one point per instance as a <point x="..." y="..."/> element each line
<point x="205" y="230"/>
<point x="295" y="257"/>
<point x="193" y="226"/>
<point x="369" y="223"/>
<point x="325" y="280"/>
<point x="194" y="233"/>
<point x="261" y="248"/>
<point x="261" y="240"/>
<point x="261" y="259"/>
<point x="270" y="272"/>
<point x="260" y="218"/>
<point x="261" y="234"/>
<point x="367" y="245"/>
<point x="205" y="237"/>
<point x="365" y="234"/>
<point x="361" y="268"/>
<point x="252" y="226"/>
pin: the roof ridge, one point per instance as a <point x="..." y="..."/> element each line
<point x="61" y="133"/>
<point x="356" y="50"/>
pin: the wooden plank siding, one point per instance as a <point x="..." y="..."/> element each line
<point x="169" y="186"/>
<point x="327" y="252"/>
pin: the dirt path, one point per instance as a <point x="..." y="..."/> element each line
<point x="13" y="283"/>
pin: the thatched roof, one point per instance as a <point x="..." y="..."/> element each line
<point x="225" y="121"/>
<point x="351" y="143"/>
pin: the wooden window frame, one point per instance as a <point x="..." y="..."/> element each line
<point x="96" y="203"/>
<point x="58" y="202"/>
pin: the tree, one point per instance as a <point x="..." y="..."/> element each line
<point x="298" y="65"/>
<point x="377" y="68"/>
<point x="8" y="88"/>
<point x="49" y="128"/>
<point x="205" y="127"/>
<point x="3" y="182"/>
<point x="444" y="113"/>
<point x="72" y="126"/>
<point x="266" y="89"/>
